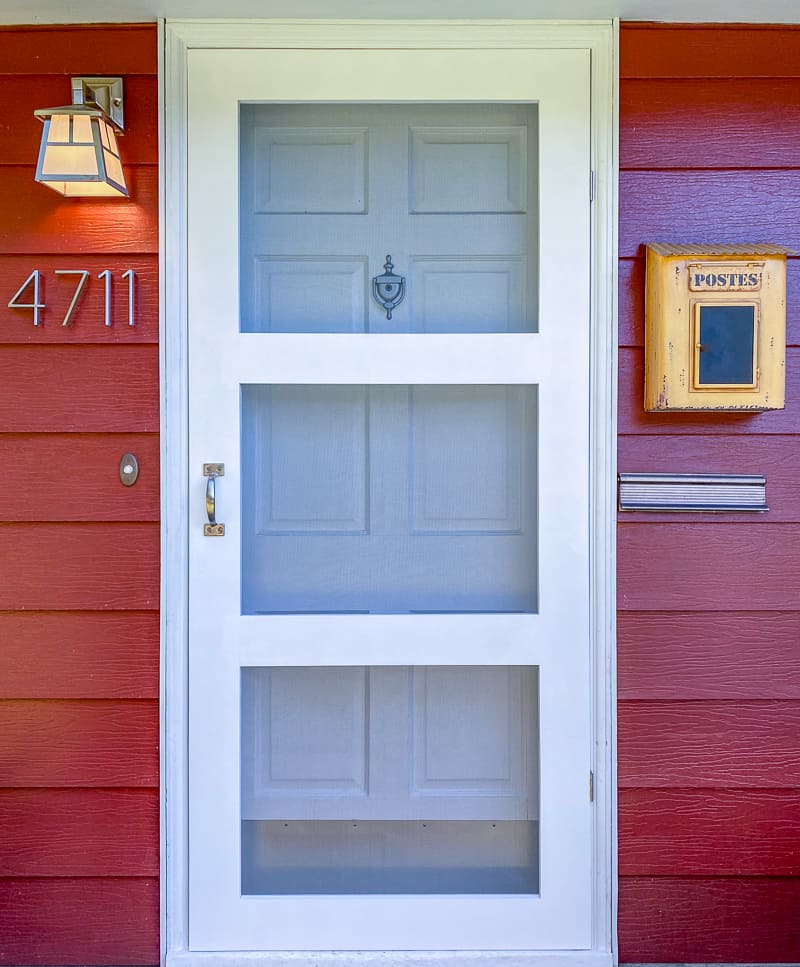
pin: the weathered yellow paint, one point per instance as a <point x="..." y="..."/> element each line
<point x="680" y="280"/>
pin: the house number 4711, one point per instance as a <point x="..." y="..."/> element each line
<point x="33" y="285"/>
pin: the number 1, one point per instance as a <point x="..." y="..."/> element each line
<point x="106" y="277"/>
<point x="130" y="275"/>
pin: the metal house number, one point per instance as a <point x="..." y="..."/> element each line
<point x="33" y="284"/>
<point x="388" y="289"/>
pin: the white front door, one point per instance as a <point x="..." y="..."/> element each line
<point x="389" y="669"/>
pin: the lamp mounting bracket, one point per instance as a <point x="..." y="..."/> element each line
<point x="102" y="92"/>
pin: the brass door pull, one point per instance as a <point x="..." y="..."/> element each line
<point x="212" y="471"/>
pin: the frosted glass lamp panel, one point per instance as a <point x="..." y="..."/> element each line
<point x="389" y="499"/>
<point x="450" y="191"/>
<point x="390" y="779"/>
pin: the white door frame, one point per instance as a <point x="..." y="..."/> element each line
<point x="179" y="36"/>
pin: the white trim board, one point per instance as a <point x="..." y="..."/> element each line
<point x="446" y="958"/>
<point x="131" y="11"/>
<point x="179" y="37"/>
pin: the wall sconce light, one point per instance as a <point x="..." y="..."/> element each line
<point x="79" y="155"/>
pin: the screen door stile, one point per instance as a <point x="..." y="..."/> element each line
<point x="222" y="360"/>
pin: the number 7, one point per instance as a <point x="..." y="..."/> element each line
<point x="84" y="278"/>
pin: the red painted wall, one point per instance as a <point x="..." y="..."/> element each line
<point x="79" y="552"/>
<point x="709" y="621"/>
<point x="709" y="607"/>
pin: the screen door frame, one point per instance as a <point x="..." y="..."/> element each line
<point x="595" y="40"/>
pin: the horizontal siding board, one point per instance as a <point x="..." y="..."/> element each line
<point x="718" y="50"/>
<point x="21" y="133"/>
<point x="631" y="275"/>
<point x="690" y="656"/>
<point x="731" y="123"/>
<point x="708" y="663"/>
<point x="709" y="745"/>
<point x="79" y="921"/>
<point x="76" y="567"/>
<point x="632" y="301"/>
<point x="79" y="49"/>
<point x="91" y="389"/>
<point x="776" y="457"/>
<point x="690" y="832"/>
<point x="633" y="419"/>
<point x="58" y="743"/>
<point x="87" y="323"/>
<point x="709" y="920"/>
<point x="701" y="207"/>
<point x="79" y="832"/>
<point x="708" y="567"/>
<point x="56" y="654"/>
<point x="41" y="221"/>
<point x="75" y="477"/>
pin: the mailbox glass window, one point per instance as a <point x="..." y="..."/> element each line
<point x="727" y="341"/>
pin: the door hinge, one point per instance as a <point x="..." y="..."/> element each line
<point x="591" y="186"/>
<point x="591" y="786"/>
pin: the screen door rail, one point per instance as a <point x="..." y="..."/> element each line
<point x="379" y="358"/>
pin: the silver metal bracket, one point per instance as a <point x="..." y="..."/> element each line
<point x="102" y="92"/>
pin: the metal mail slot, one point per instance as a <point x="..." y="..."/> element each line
<point x="681" y="492"/>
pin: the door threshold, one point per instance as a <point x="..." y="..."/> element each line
<point x="391" y="958"/>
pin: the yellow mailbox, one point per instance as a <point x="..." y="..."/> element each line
<point x="715" y="335"/>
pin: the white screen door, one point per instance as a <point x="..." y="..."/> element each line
<point x="389" y="681"/>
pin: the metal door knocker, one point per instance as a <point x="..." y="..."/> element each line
<point x="388" y="289"/>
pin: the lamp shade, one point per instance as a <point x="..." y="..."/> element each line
<point x="79" y="155"/>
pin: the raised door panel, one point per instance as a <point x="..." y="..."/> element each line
<point x="309" y="170"/>
<point x="305" y="294"/>
<point x="468" y="169"/>
<point x="490" y="291"/>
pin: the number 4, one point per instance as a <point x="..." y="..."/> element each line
<point x="35" y="279"/>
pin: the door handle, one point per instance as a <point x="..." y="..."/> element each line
<point x="212" y="471"/>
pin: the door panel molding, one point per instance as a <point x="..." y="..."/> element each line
<point x="177" y="514"/>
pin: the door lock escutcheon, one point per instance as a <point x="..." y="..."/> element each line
<point x="212" y="471"/>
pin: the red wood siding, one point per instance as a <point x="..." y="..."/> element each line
<point x="79" y="798"/>
<point x="709" y="607"/>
